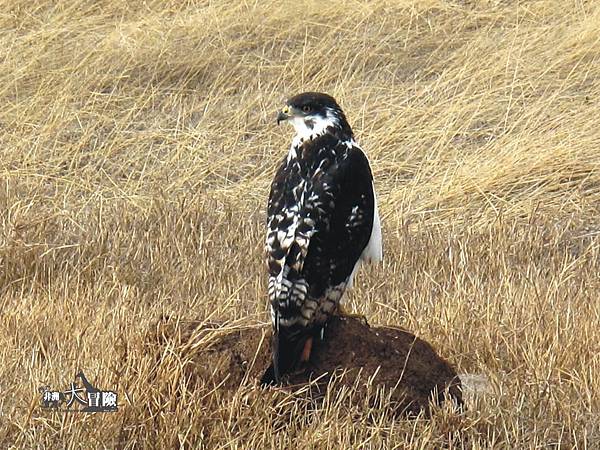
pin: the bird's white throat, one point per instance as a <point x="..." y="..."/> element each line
<point x="318" y="127"/>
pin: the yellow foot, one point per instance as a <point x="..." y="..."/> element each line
<point x="345" y="314"/>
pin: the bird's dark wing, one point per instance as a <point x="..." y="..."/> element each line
<point x="321" y="215"/>
<point x="335" y="249"/>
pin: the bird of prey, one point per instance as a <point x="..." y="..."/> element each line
<point x="322" y="223"/>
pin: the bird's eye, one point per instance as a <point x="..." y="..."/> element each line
<point x="306" y="108"/>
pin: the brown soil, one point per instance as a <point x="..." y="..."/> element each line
<point x="225" y="357"/>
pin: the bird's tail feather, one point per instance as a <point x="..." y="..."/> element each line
<point x="287" y="292"/>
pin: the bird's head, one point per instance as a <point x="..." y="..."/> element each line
<point x="313" y="114"/>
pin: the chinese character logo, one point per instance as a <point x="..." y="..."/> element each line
<point x="86" y="398"/>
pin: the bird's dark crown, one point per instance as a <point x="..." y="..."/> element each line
<point x="315" y="100"/>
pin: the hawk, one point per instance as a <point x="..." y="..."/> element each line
<point x="322" y="223"/>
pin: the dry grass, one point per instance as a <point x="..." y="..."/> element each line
<point x="138" y="141"/>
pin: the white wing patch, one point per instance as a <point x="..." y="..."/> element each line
<point x="373" y="252"/>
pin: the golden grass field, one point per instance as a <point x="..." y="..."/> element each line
<point x="137" y="144"/>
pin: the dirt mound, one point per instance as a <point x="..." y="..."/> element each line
<point x="353" y="354"/>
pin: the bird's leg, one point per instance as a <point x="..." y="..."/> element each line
<point x="343" y="313"/>
<point x="304" y="357"/>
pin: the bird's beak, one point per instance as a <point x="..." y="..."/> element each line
<point x="283" y="115"/>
